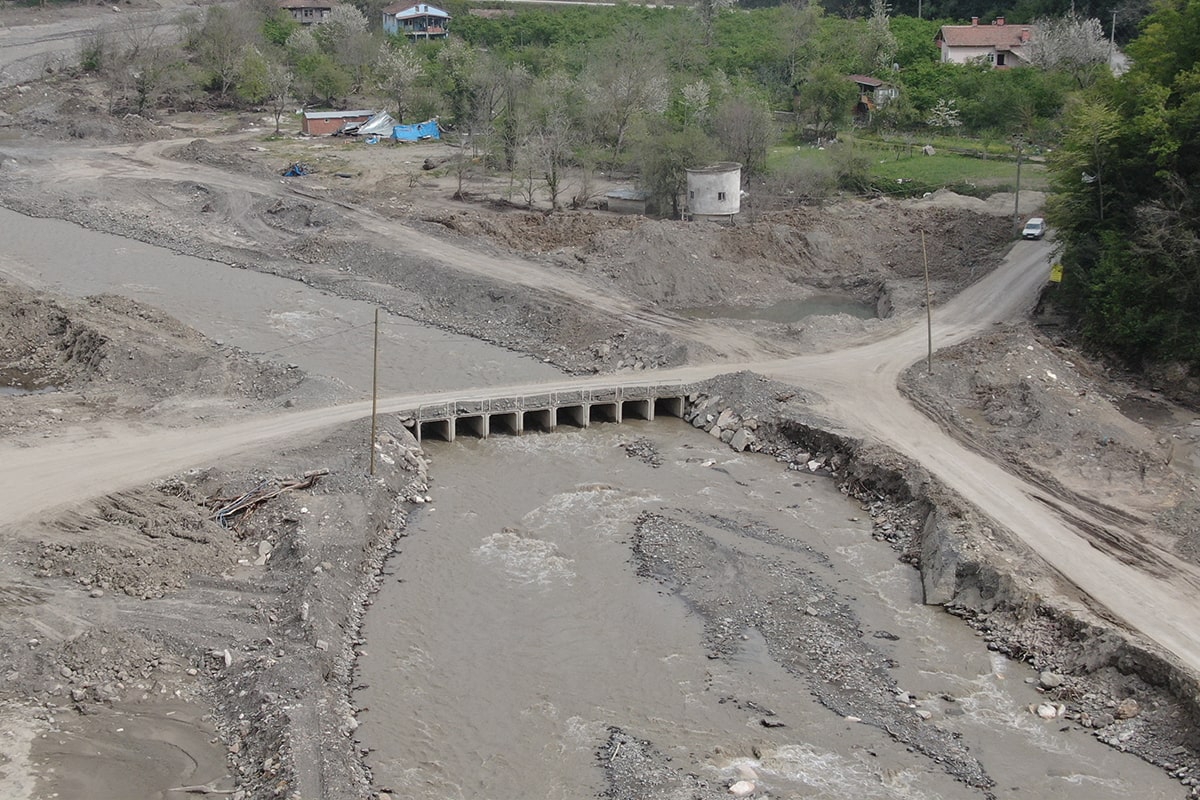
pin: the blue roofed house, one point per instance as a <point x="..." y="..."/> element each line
<point x="416" y="22"/>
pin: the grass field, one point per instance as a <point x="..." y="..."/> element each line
<point x="897" y="167"/>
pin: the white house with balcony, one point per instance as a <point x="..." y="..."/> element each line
<point x="416" y="22"/>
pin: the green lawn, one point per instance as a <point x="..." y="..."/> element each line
<point x="897" y="168"/>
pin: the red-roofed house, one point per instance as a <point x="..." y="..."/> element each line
<point x="997" y="44"/>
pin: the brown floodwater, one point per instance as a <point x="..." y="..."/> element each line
<point x="512" y="631"/>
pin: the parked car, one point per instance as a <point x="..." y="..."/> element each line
<point x="1034" y="229"/>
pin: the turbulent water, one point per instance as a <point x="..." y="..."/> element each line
<point x="512" y="631"/>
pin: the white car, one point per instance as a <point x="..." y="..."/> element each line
<point x="1034" y="229"/>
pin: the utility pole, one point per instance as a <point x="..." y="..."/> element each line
<point x="928" y="304"/>
<point x="1017" y="194"/>
<point x="374" y="391"/>
<point x="1112" y="40"/>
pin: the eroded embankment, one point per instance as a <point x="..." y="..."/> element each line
<point x="1093" y="674"/>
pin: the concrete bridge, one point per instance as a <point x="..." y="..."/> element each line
<point x="543" y="412"/>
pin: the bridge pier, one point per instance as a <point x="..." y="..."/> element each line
<point x="604" y="412"/>
<point x="476" y="426"/>
<point x="575" y="415"/>
<point x="637" y="409"/>
<point x="671" y="406"/>
<point x="436" y="429"/>
<point x="507" y="423"/>
<point x="541" y="419"/>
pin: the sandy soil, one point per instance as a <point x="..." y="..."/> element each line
<point x="107" y="606"/>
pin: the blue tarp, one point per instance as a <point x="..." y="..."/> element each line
<point x="423" y="130"/>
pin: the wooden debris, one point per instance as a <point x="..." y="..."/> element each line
<point x="241" y="506"/>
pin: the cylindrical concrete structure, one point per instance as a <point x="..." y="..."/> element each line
<point x="715" y="191"/>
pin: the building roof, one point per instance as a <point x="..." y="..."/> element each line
<point x="403" y="11"/>
<point x="338" y="114"/>
<point x="866" y="80"/>
<point x="290" y="4"/>
<point x="627" y="194"/>
<point x="997" y="35"/>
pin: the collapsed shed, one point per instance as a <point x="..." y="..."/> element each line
<point x="428" y="129"/>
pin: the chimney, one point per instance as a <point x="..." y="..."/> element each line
<point x="999" y="20"/>
<point x="974" y="20"/>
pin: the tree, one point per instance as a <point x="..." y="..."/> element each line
<point x="279" y="89"/>
<point x="252" y="76"/>
<point x="396" y="70"/>
<point x="221" y="43"/>
<point x="707" y="11"/>
<point x="624" y="80"/>
<point x="665" y="157"/>
<point x="795" y="26"/>
<point x="1072" y="45"/>
<point x="1081" y="161"/>
<point x="879" y="45"/>
<point x="552" y="134"/>
<point x="1125" y="206"/>
<point x="944" y="115"/>
<point x="745" y="129"/>
<point x="824" y="100"/>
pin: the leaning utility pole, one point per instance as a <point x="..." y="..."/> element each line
<point x="374" y="391"/>
<point x="928" y="304"/>
<point x="1017" y="195"/>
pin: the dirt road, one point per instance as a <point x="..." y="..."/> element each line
<point x="34" y="41"/>
<point x="1148" y="593"/>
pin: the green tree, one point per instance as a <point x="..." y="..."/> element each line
<point x="665" y="157"/>
<point x="1126" y="204"/>
<point x="825" y="100"/>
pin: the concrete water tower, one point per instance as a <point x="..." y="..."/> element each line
<point x="715" y="191"/>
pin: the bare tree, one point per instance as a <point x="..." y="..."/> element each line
<point x="745" y="129"/>
<point x="696" y="97"/>
<point x="221" y="42"/>
<point x="1070" y="44"/>
<point x="708" y="11"/>
<point x="797" y="23"/>
<point x="625" y="80"/>
<point x="553" y="133"/>
<point x="279" y="89"/>
<point x="396" y="70"/>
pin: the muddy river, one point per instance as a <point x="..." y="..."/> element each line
<point x="513" y="630"/>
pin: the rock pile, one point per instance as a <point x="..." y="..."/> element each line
<point x="722" y="421"/>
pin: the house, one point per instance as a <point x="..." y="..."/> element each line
<point x="324" y="123"/>
<point x="997" y="44"/>
<point x="307" y="12"/>
<point x="872" y="93"/>
<point x="416" y="22"/>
